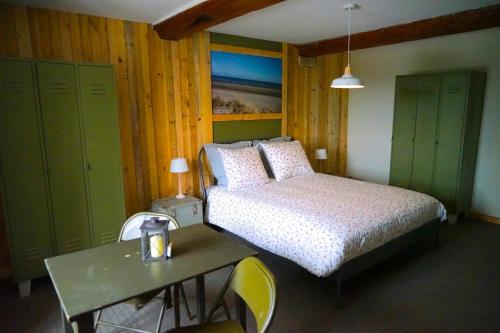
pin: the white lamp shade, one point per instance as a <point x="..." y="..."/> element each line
<point x="178" y="165"/>
<point x="320" y="154"/>
<point x="347" y="81"/>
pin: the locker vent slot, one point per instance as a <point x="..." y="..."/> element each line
<point x="428" y="90"/>
<point x="34" y="254"/>
<point x="97" y="89"/>
<point x="12" y="87"/>
<point x="406" y="91"/>
<point x="109" y="237"/>
<point x="58" y="88"/>
<point x="454" y="89"/>
<point x="73" y="245"/>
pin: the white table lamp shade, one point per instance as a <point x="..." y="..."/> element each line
<point x="178" y="165"/>
<point x="320" y="154"/>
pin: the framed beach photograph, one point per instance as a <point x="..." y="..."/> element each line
<point x="244" y="83"/>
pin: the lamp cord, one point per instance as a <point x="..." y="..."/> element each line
<point x="349" y="39"/>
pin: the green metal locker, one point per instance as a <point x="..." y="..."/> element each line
<point x="63" y="145"/>
<point x="405" y="112"/>
<point x="425" y="132"/>
<point x="23" y="171"/>
<point x="452" y="104"/>
<point x="102" y="151"/>
<point x="446" y="129"/>
<point x="61" y="180"/>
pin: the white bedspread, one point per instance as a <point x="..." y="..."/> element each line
<point x="320" y="221"/>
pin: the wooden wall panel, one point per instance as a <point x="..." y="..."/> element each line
<point x="163" y="88"/>
<point x="317" y="114"/>
<point x="164" y="93"/>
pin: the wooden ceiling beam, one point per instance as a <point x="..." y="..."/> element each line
<point x="207" y="14"/>
<point x="470" y="20"/>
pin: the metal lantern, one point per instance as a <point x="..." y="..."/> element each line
<point x="154" y="239"/>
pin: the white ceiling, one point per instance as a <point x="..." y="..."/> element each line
<point x="150" y="11"/>
<point x="303" y="21"/>
<point x="294" y="21"/>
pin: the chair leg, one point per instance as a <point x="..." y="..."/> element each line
<point x="166" y="298"/>
<point x="186" y="304"/>
<point x="226" y="309"/>
<point x="97" y="317"/>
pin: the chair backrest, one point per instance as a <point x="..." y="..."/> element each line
<point x="256" y="285"/>
<point x="130" y="229"/>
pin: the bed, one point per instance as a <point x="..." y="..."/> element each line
<point x="332" y="226"/>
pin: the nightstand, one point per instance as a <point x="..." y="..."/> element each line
<point x="186" y="211"/>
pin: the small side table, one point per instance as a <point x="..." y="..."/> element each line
<point x="186" y="211"/>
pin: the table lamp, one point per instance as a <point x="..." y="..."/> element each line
<point x="320" y="154"/>
<point x="178" y="166"/>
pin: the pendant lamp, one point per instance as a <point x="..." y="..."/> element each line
<point x="347" y="81"/>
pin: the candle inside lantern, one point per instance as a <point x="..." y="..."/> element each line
<point x="156" y="246"/>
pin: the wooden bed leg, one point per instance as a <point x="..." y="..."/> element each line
<point x="338" y="288"/>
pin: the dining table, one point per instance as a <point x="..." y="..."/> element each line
<point x="90" y="280"/>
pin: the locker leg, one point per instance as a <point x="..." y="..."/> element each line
<point x="24" y="288"/>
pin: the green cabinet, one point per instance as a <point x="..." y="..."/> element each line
<point x="425" y="132"/>
<point x="102" y="151"/>
<point x="436" y="127"/>
<point x="405" y="114"/>
<point x="60" y="157"/>
<point x="23" y="172"/>
<point x="57" y="86"/>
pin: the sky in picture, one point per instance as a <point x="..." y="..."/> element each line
<point x="248" y="67"/>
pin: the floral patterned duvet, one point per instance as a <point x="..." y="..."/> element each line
<point x="320" y="221"/>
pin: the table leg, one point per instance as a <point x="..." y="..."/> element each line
<point x="177" y="315"/>
<point x="66" y="326"/>
<point x="241" y="311"/>
<point x="200" y="298"/>
<point x="85" y="323"/>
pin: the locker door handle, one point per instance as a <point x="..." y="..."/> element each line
<point x="436" y="142"/>
<point x="88" y="167"/>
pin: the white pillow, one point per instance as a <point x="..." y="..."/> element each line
<point x="243" y="167"/>
<point x="257" y="143"/>
<point x="215" y="161"/>
<point x="287" y="159"/>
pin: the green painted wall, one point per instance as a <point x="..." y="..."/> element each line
<point x="251" y="43"/>
<point x="230" y="131"/>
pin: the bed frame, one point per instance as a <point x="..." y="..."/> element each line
<point x="358" y="264"/>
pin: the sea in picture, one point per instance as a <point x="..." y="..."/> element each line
<point x="245" y="84"/>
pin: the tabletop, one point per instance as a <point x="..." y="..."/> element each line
<point x="92" y="279"/>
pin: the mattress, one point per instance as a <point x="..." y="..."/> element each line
<point x="320" y="221"/>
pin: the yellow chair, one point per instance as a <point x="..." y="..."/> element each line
<point x="256" y="285"/>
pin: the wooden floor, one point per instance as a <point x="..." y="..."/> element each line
<point x="455" y="288"/>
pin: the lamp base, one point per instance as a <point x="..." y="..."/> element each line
<point x="180" y="196"/>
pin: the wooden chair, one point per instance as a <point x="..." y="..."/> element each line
<point x="255" y="284"/>
<point x="130" y="230"/>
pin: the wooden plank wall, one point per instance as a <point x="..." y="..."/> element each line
<point x="164" y="87"/>
<point x="164" y="92"/>
<point x="317" y="114"/>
